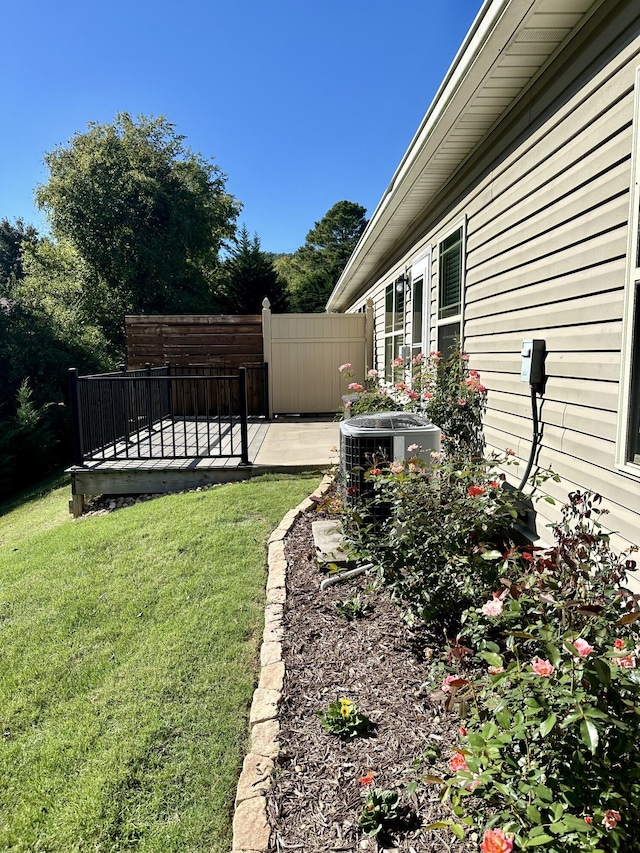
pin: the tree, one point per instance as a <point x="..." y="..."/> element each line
<point x="249" y="276"/>
<point x="12" y="238"/>
<point x="312" y="272"/>
<point x="146" y="215"/>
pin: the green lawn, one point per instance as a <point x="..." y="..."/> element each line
<point x="128" y="652"/>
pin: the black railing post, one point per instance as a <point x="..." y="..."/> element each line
<point x="242" y="400"/>
<point x="76" y="426"/>
<point x="147" y="368"/>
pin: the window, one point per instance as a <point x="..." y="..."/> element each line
<point x="628" y="448"/>
<point x="393" y="324"/>
<point x="450" y="275"/>
<point x="420" y="279"/>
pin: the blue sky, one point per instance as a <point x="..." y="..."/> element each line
<point x="300" y="104"/>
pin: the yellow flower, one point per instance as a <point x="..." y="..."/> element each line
<point x="345" y="707"/>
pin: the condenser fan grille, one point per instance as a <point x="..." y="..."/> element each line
<point x="377" y="440"/>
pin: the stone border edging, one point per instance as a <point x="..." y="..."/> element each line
<point x="251" y="829"/>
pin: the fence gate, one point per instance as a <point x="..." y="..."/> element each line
<point x="304" y="351"/>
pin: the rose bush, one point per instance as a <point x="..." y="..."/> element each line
<point x="437" y="549"/>
<point x="550" y="696"/>
<point x="446" y="391"/>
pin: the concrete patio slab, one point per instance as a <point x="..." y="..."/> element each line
<point x="298" y="445"/>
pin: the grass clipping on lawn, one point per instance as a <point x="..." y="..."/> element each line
<point x="129" y="649"/>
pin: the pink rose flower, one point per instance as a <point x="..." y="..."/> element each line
<point x="355" y="386"/>
<point x="495" y="841"/>
<point x="627" y="662"/>
<point x="446" y="684"/>
<point x="493" y="607"/>
<point x="495" y="670"/>
<point x="583" y="648"/>
<point x="619" y="644"/>
<point x="611" y="819"/>
<point x="413" y="447"/>
<point x="372" y="374"/>
<point x="542" y="667"/>
<point x="375" y="471"/>
<point x="344" y="366"/>
<point x="473" y="784"/>
<point x="457" y="762"/>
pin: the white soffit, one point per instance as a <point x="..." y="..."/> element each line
<point x="508" y="44"/>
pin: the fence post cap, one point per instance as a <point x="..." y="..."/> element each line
<point x="266" y="303"/>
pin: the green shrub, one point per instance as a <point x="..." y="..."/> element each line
<point x="26" y="442"/>
<point x="437" y="549"/>
<point x="551" y="697"/>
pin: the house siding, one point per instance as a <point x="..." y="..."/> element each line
<point x="546" y="203"/>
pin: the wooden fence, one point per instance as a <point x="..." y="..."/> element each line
<point x="192" y="342"/>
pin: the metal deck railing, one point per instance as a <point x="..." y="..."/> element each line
<point x="160" y="413"/>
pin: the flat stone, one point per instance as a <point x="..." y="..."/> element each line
<point x="277" y="574"/>
<point x="264" y="706"/>
<point x="328" y="540"/>
<point x="273" y="614"/>
<point x="308" y="504"/>
<point x="272" y="677"/>
<point x="272" y="634"/>
<point x="251" y="829"/>
<point x="270" y="653"/>
<point x="290" y="517"/>
<point x="264" y="738"/>
<point x="276" y="552"/>
<point x="255" y="778"/>
<point x="277" y="535"/>
<point x="276" y="595"/>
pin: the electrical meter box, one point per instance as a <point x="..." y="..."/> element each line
<point x="532" y="362"/>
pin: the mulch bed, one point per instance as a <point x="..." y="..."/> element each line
<point x="381" y="665"/>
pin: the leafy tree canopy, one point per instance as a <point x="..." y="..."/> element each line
<point x="249" y="276"/>
<point x="146" y="215"/>
<point x="312" y="271"/>
<point x="12" y="237"/>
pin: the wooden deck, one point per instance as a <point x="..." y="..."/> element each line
<point x="191" y="438"/>
<point x="183" y="439"/>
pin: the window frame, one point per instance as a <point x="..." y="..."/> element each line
<point x="458" y="318"/>
<point x="395" y="329"/>
<point x="421" y="270"/>
<point x="627" y="443"/>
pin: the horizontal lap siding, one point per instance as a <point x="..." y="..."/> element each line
<point x="546" y="204"/>
<point x="546" y="258"/>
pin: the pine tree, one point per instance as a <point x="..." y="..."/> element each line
<point x="249" y="276"/>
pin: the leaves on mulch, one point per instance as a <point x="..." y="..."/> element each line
<point x="381" y="665"/>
